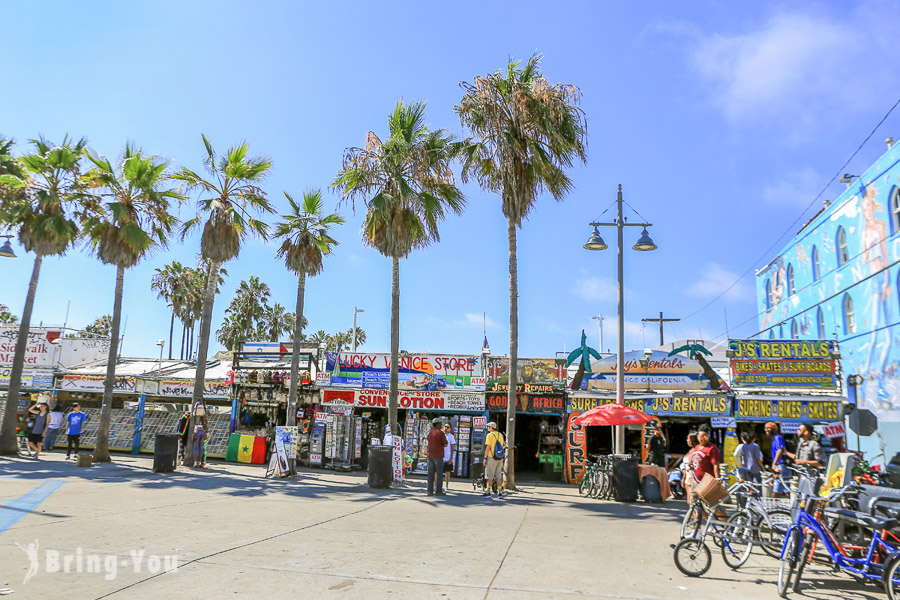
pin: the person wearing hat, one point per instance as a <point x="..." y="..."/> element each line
<point x="493" y="464"/>
<point x="437" y="441"/>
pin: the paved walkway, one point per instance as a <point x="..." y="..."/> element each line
<point x="326" y="535"/>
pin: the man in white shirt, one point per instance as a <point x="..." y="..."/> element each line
<point x="448" y="454"/>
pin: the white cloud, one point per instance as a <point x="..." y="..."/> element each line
<point x="797" y="189"/>
<point x="714" y="279"/>
<point x="476" y="320"/>
<point x="595" y="288"/>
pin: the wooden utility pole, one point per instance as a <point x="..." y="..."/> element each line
<point x="661" y="321"/>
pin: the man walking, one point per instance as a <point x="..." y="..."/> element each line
<point x="76" y="420"/>
<point x="437" y="441"/>
<point x="448" y="455"/>
<point x="493" y="462"/>
<point x="779" y="450"/>
<point x="809" y="451"/>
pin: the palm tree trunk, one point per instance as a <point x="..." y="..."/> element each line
<point x="183" y="337"/>
<point x="202" y="350"/>
<point x="171" y="331"/>
<point x="101" y="446"/>
<point x="295" y="354"/>
<point x="513" y="357"/>
<point x="8" y="444"/>
<point x="395" y="345"/>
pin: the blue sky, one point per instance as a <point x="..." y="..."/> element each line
<point x="721" y="120"/>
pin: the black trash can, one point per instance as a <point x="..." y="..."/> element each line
<point x="165" y="452"/>
<point x="625" y="480"/>
<point x="380" y="468"/>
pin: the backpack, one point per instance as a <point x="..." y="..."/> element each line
<point x="498" y="450"/>
<point x="650" y="489"/>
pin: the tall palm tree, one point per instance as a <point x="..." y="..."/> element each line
<point x="167" y="285"/>
<point x="230" y="197"/>
<point x="527" y="132"/>
<point x="305" y="241"/>
<point x="408" y="188"/>
<point x="44" y="208"/>
<point x="135" y="220"/>
<point x="275" y="322"/>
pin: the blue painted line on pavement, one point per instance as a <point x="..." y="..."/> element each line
<point x="23" y="505"/>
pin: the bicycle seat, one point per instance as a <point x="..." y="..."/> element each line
<point x="863" y="518"/>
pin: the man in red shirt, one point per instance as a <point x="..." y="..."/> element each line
<point x="436" y="443"/>
<point x="706" y="457"/>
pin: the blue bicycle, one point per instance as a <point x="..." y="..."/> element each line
<point x="880" y="559"/>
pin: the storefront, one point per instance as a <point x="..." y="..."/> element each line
<point x="753" y="411"/>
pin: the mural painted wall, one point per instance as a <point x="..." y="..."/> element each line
<point x="840" y="278"/>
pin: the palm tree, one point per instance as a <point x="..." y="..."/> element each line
<point x="305" y="241"/>
<point x="275" y="322"/>
<point x="135" y="220"/>
<point x="583" y="355"/>
<point x="408" y="188"/>
<point x="101" y="327"/>
<point x="42" y="204"/>
<point x="318" y="338"/>
<point x="245" y="314"/>
<point x="167" y="285"/>
<point x="6" y="316"/>
<point x="229" y="199"/>
<point x="527" y="132"/>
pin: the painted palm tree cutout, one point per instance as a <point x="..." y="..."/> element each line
<point x="583" y="353"/>
<point x="696" y="352"/>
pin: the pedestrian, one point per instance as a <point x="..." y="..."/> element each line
<point x="656" y="454"/>
<point x="687" y="471"/>
<point x="53" y="425"/>
<point x="706" y="459"/>
<point x="182" y="430"/>
<point x="779" y="448"/>
<point x="750" y="458"/>
<point x="199" y="446"/>
<point x="40" y="421"/>
<point x="493" y="461"/>
<point x="76" y="420"/>
<point x="448" y="454"/>
<point x="437" y="441"/>
<point x="809" y="451"/>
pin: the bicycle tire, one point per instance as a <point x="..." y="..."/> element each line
<point x="737" y="539"/>
<point x="692" y="521"/>
<point x="789" y="557"/>
<point x="892" y="579"/>
<point x="606" y="489"/>
<point x="805" y="557"/>
<point x="692" y="557"/>
<point x="771" y="539"/>
<point x="585" y="489"/>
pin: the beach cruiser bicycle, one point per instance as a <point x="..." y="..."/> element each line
<point x="880" y="561"/>
<point x="597" y="479"/>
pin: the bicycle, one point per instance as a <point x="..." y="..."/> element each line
<point x="805" y="529"/>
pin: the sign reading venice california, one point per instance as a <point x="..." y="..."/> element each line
<point x="783" y="363"/>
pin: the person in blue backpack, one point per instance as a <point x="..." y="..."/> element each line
<point x="494" y="452"/>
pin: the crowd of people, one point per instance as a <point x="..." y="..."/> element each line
<point x="43" y="425"/>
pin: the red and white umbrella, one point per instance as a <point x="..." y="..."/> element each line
<point x="613" y="414"/>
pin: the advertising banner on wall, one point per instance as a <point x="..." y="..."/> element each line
<point x="94" y="383"/>
<point x="662" y="372"/>
<point x="407" y="399"/>
<point x="534" y="375"/>
<point x="427" y="372"/>
<point x="40" y="350"/>
<point x="185" y="389"/>
<point x="31" y="379"/>
<point x="783" y="363"/>
<point x="675" y="405"/>
<point x="787" y="409"/>
<point x="550" y="404"/>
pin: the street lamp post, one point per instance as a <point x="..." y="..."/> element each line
<point x="6" y="249"/>
<point x="599" y="319"/>
<point x="356" y="311"/>
<point x="644" y="244"/>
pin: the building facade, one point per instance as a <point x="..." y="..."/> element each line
<point x="839" y="278"/>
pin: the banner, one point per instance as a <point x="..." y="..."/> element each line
<point x="662" y="372"/>
<point x="783" y="363"/>
<point x="549" y="404"/>
<point x="576" y="449"/>
<point x="779" y="410"/>
<point x="534" y="375"/>
<point x="31" y="379"/>
<point x="834" y="430"/>
<point x="397" y="458"/>
<point x="426" y="372"/>
<point x="583" y="405"/>
<point x="689" y="405"/>
<point x="95" y="383"/>
<point x="184" y="388"/>
<point x="407" y="399"/>
<point x="40" y="349"/>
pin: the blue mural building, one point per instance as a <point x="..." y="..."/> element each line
<point x="839" y="278"/>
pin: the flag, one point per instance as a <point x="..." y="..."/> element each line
<point x="246" y="449"/>
<point x="485" y="348"/>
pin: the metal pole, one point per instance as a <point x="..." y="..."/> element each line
<point x="620" y="357"/>
<point x="354" y="330"/>
<point x="660" y="329"/>
<point x="599" y="319"/>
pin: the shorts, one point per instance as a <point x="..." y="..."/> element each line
<point x="448" y="467"/>
<point x="35" y="438"/>
<point x="493" y="468"/>
<point x="779" y="486"/>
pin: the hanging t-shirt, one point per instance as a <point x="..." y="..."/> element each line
<point x="703" y="459"/>
<point x="76" y="420"/>
<point x="451" y="441"/>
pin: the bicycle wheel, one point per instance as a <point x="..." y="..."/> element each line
<point x="585" y="489"/>
<point x="770" y="533"/>
<point x="692" y="557"/>
<point x="892" y="579"/>
<point x="789" y="557"/>
<point x="808" y="544"/>
<point x="692" y="521"/>
<point x="596" y="484"/>
<point x="737" y="539"/>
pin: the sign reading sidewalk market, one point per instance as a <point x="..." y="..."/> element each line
<point x="40" y="349"/>
<point x="426" y="372"/>
<point x="534" y="375"/>
<point x="783" y="363"/>
<point x="661" y="372"/>
<point x="799" y="411"/>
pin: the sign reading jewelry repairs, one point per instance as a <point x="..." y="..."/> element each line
<point x="659" y="371"/>
<point x="427" y="372"/>
<point x="784" y="409"/>
<point x="534" y="375"/>
<point x="783" y="363"/>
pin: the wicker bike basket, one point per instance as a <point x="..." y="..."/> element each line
<point x="710" y="490"/>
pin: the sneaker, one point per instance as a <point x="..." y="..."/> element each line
<point x="486" y="495"/>
<point x="499" y="496"/>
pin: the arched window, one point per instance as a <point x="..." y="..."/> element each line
<point x="843" y="255"/>
<point x="790" y="280"/>
<point x="768" y="294"/>
<point x="820" y="323"/>
<point x="816" y="273"/>
<point x="771" y="334"/>
<point x="849" y="316"/>
<point x="794" y="334"/>
<point x="895" y="210"/>
<point x="781" y="332"/>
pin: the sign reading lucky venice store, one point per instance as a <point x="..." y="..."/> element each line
<point x="806" y="411"/>
<point x="783" y="363"/>
<point x="429" y="372"/>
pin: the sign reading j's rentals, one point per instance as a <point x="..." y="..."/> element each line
<point x="783" y="363"/>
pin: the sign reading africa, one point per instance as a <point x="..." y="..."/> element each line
<point x="529" y="403"/>
<point x="757" y="409"/>
<point x="783" y="363"/>
<point x="425" y="372"/>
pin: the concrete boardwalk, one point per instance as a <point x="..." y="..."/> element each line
<point x="326" y="535"/>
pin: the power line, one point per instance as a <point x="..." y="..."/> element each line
<point x="790" y="227"/>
